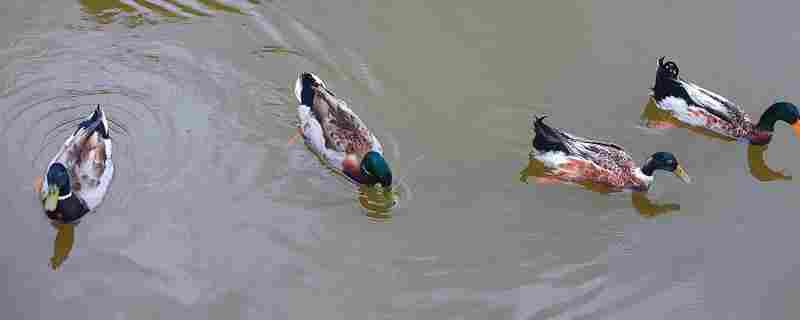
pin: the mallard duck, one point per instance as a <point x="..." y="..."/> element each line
<point x="79" y="175"/>
<point x="576" y="160"/>
<point x="337" y="135"/>
<point x="699" y="107"/>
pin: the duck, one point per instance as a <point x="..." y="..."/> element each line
<point x="337" y="135"/>
<point x="571" y="159"/>
<point x="78" y="176"/>
<point x="698" y="107"/>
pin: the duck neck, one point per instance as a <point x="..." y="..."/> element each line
<point x="767" y="120"/>
<point x="762" y="131"/>
<point x="648" y="168"/>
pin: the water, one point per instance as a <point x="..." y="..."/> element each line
<point x="213" y="215"/>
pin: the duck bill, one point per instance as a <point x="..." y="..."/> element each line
<point x="51" y="198"/>
<point x="796" y="127"/>
<point x="681" y="174"/>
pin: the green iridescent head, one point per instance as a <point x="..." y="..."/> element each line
<point x="375" y="169"/>
<point x="58" y="185"/>
<point x="665" y="161"/>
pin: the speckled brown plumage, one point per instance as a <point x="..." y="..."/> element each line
<point x="587" y="160"/>
<point x="343" y="131"/>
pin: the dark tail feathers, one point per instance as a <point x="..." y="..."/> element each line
<point x="547" y="138"/>
<point x="667" y="69"/>
<point x="666" y="80"/>
<point x="95" y="123"/>
<point x="307" y="93"/>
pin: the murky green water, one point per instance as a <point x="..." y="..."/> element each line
<point x="213" y="215"/>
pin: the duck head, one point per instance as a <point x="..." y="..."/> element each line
<point x="57" y="186"/>
<point x="374" y="170"/>
<point x="781" y="111"/>
<point x="667" y="162"/>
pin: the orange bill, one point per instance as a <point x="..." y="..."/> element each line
<point x="796" y="126"/>
<point x="681" y="173"/>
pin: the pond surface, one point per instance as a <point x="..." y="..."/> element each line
<point x="214" y="214"/>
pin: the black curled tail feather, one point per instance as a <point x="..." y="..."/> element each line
<point x="547" y="138"/>
<point x="95" y="123"/>
<point x="666" y="80"/>
<point x="98" y="113"/>
<point x="668" y="70"/>
<point x="307" y="93"/>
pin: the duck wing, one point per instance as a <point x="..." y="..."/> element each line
<point x="90" y="151"/>
<point x="605" y="154"/>
<point x="343" y="129"/>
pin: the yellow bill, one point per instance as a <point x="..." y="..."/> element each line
<point x="51" y="199"/>
<point x="681" y="173"/>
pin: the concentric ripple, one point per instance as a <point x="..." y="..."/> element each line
<point x="174" y="135"/>
<point x="50" y="93"/>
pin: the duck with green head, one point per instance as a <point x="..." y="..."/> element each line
<point x="337" y="135"/>
<point x="695" y="106"/>
<point x="571" y="159"/>
<point x="78" y="176"/>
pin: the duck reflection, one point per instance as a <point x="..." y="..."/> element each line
<point x="377" y="202"/>
<point x="62" y="246"/>
<point x="648" y="208"/>
<point x="655" y="118"/>
<point x="643" y="205"/>
<point x="136" y="12"/>
<point x="65" y="234"/>
<point x="759" y="168"/>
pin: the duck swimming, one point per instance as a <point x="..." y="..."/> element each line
<point x="695" y="106"/>
<point x="337" y="135"/>
<point x="78" y="176"/>
<point x="575" y="160"/>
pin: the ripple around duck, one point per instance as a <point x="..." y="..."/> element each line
<point x="51" y="94"/>
<point x="159" y="98"/>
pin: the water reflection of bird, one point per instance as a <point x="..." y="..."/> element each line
<point x="105" y="11"/>
<point x="378" y="204"/>
<point x="759" y="168"/>
<point x="649" y="209"/>
<point x="79" y="175"/>
<point x="62" y="245"/>
<point x="694" y="106"/>
<point x="639" y="200"/>
<point x="597" y="165"/>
